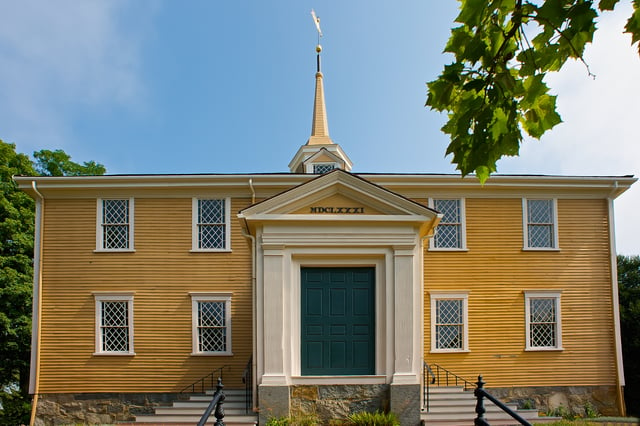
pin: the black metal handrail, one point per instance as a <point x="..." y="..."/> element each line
<point x="449" y="378"/>
<point x="215" y="404"/>
<point x="247" y="379"/>
<point x="211" y="377"/>
<point x="480" y="394"/>
<point x="427" y="371"/>
<point x="442" y="377"/>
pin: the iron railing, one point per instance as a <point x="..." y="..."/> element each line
<point x="247" y="379"/>
<point x="215" y="404"/>
<point x="441" y="377"/>
<point x="480" y="394"/>
<point x="428" y="378"/>
<point x="209" y="380"/>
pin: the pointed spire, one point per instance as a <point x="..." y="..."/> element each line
<point x="319" y="125"/>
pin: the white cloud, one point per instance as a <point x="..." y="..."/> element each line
<point x="599" y="134"/>
<point x="61" y="55"/>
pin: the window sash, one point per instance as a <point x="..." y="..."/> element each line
<point x="211" y="325"/>
<point x="543" y="321"/>
<point x="114" y="324"/>
<point x="540" y="223"/>
<point x="449" y="322"/>
<point x="211" y="224"/>
<point x="115" y="224"/>
<point x="450" y="233"/>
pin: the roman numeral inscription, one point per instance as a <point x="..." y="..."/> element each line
<point x="337" y="210"/>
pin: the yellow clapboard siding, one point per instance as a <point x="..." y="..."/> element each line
<point x="496" y="272"/>
<point x="162" y="272"/>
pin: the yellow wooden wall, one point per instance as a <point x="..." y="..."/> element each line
<point x="496" y="271"/>
<point x="161" y="272"/>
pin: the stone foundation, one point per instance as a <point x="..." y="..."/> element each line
<point x="572" y="399"/>
<point x="329" y="402"/>
<point x="274" y="401"/>
<point x="98" y="408"/>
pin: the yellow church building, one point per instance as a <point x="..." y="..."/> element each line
<point x="321" y="290"/>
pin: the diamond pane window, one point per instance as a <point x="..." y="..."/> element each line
<point x="115" y="223"/>
<point x="211" y="224"/>
<point x="450" y="231"/>
<point x="449" y="322"/>
<point x="211" y="319"/>
<point x="114" y="331"/>
<point x="211" y="327"/>
<point x="543" y="321"/>
<point x="540" y="224"/>
<point x="320" y="169"/>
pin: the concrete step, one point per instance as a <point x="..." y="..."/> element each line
<point x="189" y="412"/>
<point x="193" y="420"/>
<point x="227" y="398"/>
<point x="452" y="406"/>
<point x="195" y="411"/>
<point x="204" y="404"/>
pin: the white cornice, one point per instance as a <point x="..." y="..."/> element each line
<point x="270" y="184"/>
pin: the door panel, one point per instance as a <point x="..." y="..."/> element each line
<point x="338" y="321"/>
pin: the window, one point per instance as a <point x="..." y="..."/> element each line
<point x="449" y="322"/>
<point x="211" y="219"/>
<point x="450" y="233"/>
<point x="542" y="310"/>
<point x="114" y="324"/>
<point x="211" y="324"/>
<point x="115" y="224"/>
<point x="322" y="168"/>
<point x="540" y="221"/>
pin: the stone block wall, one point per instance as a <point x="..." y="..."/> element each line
<point x="573" y="399"/>
<point x="94" y="408"/>
<point x="337" y="401"/>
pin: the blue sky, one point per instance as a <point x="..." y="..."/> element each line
<point x="152" y="86"/>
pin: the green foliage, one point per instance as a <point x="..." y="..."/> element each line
<point x="494" y="90"/>
<point x="58" y="163"/>
<point x="590" y="411"/>
<point x="16" y="271"/>
<point x="629" y="296"/>
<point x="561" y="411"/>
<point x="299" y="420"/>
<point x="528" y="404"/>
<point x="378" y="418"/>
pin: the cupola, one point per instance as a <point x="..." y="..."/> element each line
<point x="320" y="154"/>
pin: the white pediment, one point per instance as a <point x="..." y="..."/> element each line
<point x="341" y="196"/>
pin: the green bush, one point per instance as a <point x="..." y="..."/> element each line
<point x="300" y="420"/>
<point x="372" y="419"/>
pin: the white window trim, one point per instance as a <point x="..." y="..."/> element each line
<point x="546" y="294"/>
<point x="440" y="295"/>
<point x="112" y="297"/>
<point x="194" y="226"/>
<point x="99" y="233"/>
<point x="525" y="225"/>
<point x="210" y="297"/>
<point x="463" y="227"/>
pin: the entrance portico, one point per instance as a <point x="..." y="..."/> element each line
<point x="376" y="229"/>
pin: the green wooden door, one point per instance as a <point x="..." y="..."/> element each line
<point x="338" y="321"/>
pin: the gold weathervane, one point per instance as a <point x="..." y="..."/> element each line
<point x="316" y="21"/>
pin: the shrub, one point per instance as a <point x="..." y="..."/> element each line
<point x="378" y="418"/>
<point x="299" y="420"/>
